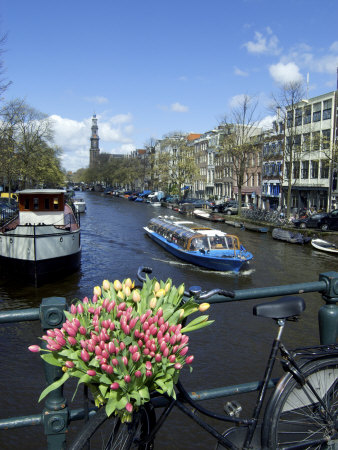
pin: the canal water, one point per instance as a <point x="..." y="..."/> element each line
<point x="233" y="350"/>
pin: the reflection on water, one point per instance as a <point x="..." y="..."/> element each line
<point x="114" y="245"/>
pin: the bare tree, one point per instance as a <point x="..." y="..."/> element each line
<point x="4" y="84"/>
<point x="284" y="104"/>
<point x="241" y="142"/>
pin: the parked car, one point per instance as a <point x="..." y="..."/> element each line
<point x="323" y="221"/>
<point x="230" y="207"/>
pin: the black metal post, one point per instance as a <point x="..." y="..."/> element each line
<point x="56" y="413"/>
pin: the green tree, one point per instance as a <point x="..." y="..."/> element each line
<point x="175" y="164"/>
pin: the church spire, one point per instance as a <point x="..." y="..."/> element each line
<point x="94" y="143"/>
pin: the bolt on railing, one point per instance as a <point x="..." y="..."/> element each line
<point x="56" y="415"/>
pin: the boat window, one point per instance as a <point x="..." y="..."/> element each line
<point x="56" y="203"/>
<point x="218" y="242"/>
<point x="230" y="242"/>
<point x="35" y="203"/>
<point x="198" y="243"/>
<point x="46" y="203"/>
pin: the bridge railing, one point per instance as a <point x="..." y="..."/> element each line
<point x="56" y="416"/>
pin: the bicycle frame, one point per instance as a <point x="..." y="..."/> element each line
<point x="289" y="364"/>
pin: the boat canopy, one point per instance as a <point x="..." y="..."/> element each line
<point x="193" y="240"/>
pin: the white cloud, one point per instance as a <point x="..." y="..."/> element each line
<point x="99" y="100"/>
<point x="240" y="72"/>
<point x="237" y="100"/>
<point x="177" y="107"/>
<point x="266" y="122"/>
<point x="115" y="133"/>
<point x="261" y="44"/>
<point x="285" y="73"/>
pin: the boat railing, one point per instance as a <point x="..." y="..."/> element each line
<point x="57" y="416"/>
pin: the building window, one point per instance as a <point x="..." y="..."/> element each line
<point x="327" y="108"/>
<point x="307" y="115"/>
<point x="35" y="203"/>
<point x="306" y="142"/>
<point x="305" y="170"/>
<point x="326" y="135"/>
<point x="324" y="169"/>
<point x="56" y="203"/>
<point x="316" y="140"/>
<point x="298" y="118"/>
<point x="314" y="169"/>
<point x="290" y="119"/>
<point x="296" y="166"/>
<point x="317" y="107"/>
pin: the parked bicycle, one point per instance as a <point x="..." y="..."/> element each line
<point x="302" y="412"/>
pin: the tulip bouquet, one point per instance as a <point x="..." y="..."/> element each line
<point x="124" y="343"/>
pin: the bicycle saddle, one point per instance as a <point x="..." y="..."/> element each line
<point x="282" y="308"/>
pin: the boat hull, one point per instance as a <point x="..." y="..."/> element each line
<point x="226" y="264"/>
<point x="37" y="253"/>
<point x="324" y="246"/>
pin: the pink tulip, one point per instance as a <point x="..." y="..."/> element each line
<point x="84" y="355"/>
<point x="91" y="373"/>
<point x="166" y="352"/>
<point x="138" y="374"/>
<point x="148" y="365"/>
<point x="34" y="348"/>
<point x="189" y="359"/>
<point x="136" y="356"/>
<point x="178" y="366"/>
<point x="114" y="386"/>
<point x="82" y="330"/>
<point x="80" y="308"/>
<point x="115" y="362"/>
<point x="125" y="360"/>
<point x="110" y="369"/>
<point x="51" y="333"/>
<point x="85" y="300"/>
<point x="69" y="364"/>
<point x="129" y="407"/>
<point x="127" y="378"/>
<point x="172" y="358"/>
<point x="184" y="351"/>
<point x="72" y="340"/>
<point x="104" y="367"/>
<point x="149" y="373"/>
<point x="158" y="357"/>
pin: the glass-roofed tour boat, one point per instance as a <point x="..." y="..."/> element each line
<point x="199" y="245"/>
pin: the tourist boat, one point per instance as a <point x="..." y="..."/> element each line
<point x="207" y="215"/>
<point x="202" y="246"/>
<point x="325" y="246"/>
<point x="43" y="239"/>
<point x="79" y="205"/>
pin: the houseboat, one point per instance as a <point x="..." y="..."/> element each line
<point x="202" y="246"/>
<point x="43" y="239"/>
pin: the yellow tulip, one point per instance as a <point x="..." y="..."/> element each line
<point x="181" y="289"/>
<point x="126" y="290"/>
<point x="106" y="285"/>
<point x="128" y="283"/>
<point x="167" y="287"/>
<point x="136" y="296"/>
<point x="157" y="286"/>
<point x="204" y="306"/>
<point x="160" y="293"/>
<point x="153" y="302"/>
<point x="97" y="291"/>
<point x="117" y="285"/>
<point x="121" y="295"/>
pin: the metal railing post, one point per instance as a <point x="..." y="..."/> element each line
<point x="55" y="414"/>
<point x="328" y="313"/>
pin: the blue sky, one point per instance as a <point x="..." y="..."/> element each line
<point x="151" y="67"/>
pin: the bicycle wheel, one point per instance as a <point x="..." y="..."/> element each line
<point x="109" y="433"/>
<point x="294" y="415"/>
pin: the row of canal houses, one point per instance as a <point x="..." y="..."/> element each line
<point x="312" y="127"/>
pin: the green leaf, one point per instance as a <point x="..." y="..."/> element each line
<point x="51" y="359"/>
<point x="54" y="385"/>
<point x="68" y="315"/>
<point x="111" y="404"/>
<point x="105" y="379"/>
<point x="190" y="327"/>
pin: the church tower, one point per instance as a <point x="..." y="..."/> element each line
<point x="94" y="143"/>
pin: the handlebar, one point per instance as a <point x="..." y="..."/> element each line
<point x="194" y="291"/>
